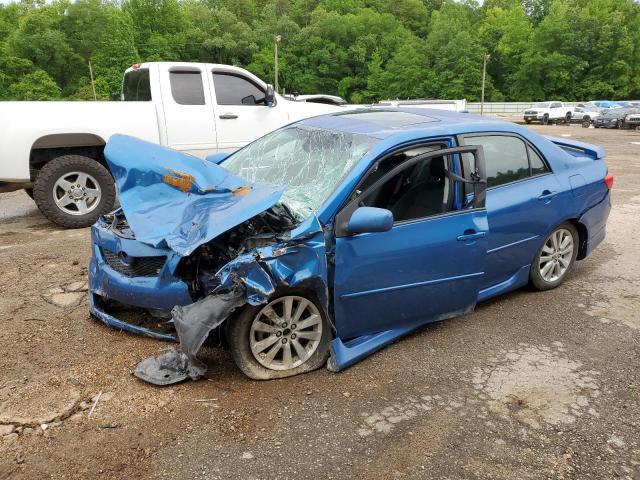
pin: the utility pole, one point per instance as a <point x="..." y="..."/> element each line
<point x="484" y="77"/>
<point x="278" y="38"/>
<point x="93" y="85"/>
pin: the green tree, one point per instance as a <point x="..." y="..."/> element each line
<point x="35" y="86"/>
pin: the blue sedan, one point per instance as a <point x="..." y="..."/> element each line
<point x="327" y="239"/>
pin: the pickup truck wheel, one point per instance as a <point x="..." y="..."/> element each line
<point x="29" y="192"/>
<point x="73" y="191"/>
<point x="567" y="118"/>
<point x="287" y="336"/>
<point x="545" y="119"/>
<point x="556" y="258"/>
<point x="586" y="122"/>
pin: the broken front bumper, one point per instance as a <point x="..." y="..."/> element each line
<point x="132" y="274"/>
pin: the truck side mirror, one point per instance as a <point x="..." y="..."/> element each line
<point x="270" y="96"/>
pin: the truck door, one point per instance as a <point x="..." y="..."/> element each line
<point x="188" y="115"/>
<point x="241" y="113"/>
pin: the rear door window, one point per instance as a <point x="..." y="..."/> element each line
<point x="186" y="87"/>
<point x="505" y="158"/>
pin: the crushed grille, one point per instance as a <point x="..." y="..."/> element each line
<point x="135" y="266"/>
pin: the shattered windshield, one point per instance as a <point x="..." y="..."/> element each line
<point x="309" y="162"/>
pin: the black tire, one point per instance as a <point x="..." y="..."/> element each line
<point x="58" y="167"/>
<point x="238" y="332"/>
<point x="545" y="119"/>
<point x="29" y="192"/>
<point x="586" y="122"/>
<point x="567" y="118"/>
<point x="535" y="276"/>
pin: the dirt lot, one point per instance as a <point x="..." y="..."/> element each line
<point x="531" y="385"/>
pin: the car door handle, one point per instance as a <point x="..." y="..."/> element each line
<point x="471" y="236"/>
<point x="228" y="116"/>
<point x="547" y="196"/>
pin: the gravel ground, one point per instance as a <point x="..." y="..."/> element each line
<point x="531" y="385"/>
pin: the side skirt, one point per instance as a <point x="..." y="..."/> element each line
<point x="345" y="354"/>
<point x="517" y="280"/>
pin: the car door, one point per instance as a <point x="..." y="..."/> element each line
<point x="240" y="110"/>
<point x="578" y="113"/>
<point x="187" y="110"/>
<point x="522" y="198"/>
<point x="555" y="110"/>
<point x="428" y="266"/>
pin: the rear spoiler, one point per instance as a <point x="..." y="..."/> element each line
<point x="579" y="149"/>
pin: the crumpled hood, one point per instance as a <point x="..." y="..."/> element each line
<point x="178" y="201"/>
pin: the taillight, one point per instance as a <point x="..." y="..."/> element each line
<point x="135" y="66"/>
<point x="608" y="181"/>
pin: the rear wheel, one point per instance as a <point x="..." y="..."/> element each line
<point x="586" y="122"/>
<point x="567" y="118"/>
<point x="288" y="336"/>
<point x="556" y="257"/>
<point x="73" y="191"/>
<point x="545" y="119"/>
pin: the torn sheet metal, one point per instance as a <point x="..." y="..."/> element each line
<point x="193" y="324"/>
<point x="174" y="200"/>
<point x="250" y="278"/>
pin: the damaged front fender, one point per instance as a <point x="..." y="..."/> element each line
<point x="251" y="278"/>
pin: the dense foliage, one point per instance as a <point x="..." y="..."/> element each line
<point x="363" y="50"/>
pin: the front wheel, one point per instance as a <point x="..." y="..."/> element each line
<point x="287" y="336"/>
<point x="556" y="258"/>
<point x="73" y="191"/>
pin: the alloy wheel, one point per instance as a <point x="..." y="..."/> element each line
<point x="556" y="255"/>
<point x="76" y="193"/>
<point x="285" y="333"/>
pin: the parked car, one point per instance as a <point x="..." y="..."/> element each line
<point x="632" y="120"/>
<point x="336" y="235"/>
<point x="614" y="117"/>
<point x="606" y="104"/>
<point x="548" y="112"/>
<point x="317" y="98"/>
<point x="584" y="115"/>
<point x="55" y="149"/>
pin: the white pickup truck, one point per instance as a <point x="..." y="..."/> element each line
<point x="548" y="112"/>
<point x="54" y="149"/>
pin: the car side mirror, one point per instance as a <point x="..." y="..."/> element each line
<point x="217" y="158"/>
<point x="370" y="220"/>
<point x="270" y="96"/>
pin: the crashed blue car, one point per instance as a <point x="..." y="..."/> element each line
<point x="327" y="239"/>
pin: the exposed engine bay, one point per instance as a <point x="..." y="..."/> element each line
<point x="199" y="269"/>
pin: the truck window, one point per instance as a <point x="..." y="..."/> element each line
<point x="136" y="86"/>
<point x="186" y="87"/>
<point x="235" y="90"/>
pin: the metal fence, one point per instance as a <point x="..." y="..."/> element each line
<point x="505" y="107"/>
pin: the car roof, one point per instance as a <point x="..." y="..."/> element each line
<point x="383" y="123"/>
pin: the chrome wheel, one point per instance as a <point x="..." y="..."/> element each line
<point x="76" y="193"/>
<point x="285" y="333"/>
<point x="556" y="255"/>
